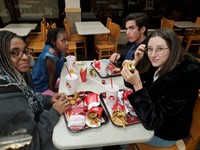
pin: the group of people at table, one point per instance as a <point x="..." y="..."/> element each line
<point x="165" y="83"/>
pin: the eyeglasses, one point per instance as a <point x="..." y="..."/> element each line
<point x="17" y="53"/>
<point x="158" y="50"/>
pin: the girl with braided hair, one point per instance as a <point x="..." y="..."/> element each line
<point x="21" y="109"/>
<point x="49" y="64"/>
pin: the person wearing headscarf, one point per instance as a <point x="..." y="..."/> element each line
<point x="20" y="107"/>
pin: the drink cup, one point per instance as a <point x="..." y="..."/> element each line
<point x="111" y="94"/>
<point x="71" y="83"/>
<point x="70" y="61"/>
<point x="83" y="74"/>
<point x="104" y="70"/>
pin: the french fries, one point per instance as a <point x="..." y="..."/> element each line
<point x="119" y="118"/>
<point x="93" y="118"/>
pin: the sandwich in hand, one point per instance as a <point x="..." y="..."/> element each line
<point x="131" y="67"/>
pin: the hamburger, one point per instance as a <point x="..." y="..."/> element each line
<point x="131" y="67"/>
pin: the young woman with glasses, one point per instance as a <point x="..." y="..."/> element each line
<point x="21" y="108"/>
<point x="165" y="83"/>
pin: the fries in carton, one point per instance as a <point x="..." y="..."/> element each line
<point x="93" y="117"/>
<point x="119" y="116"/>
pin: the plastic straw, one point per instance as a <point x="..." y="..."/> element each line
<point x="111" y="82"/>
<point x="68" y="71"/>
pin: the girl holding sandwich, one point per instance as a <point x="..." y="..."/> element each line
<point x="166" y="82"/>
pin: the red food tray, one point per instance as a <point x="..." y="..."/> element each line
<point x="111" y="66"/>
<point x="104" y="119"/>
<point x="131" y="119"/>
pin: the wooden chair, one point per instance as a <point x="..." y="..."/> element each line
<point x="78" y="39"/>
<point x="169" y="23"/>
<point x="40" y="36"/>
<point x="53" y="26"/>
<point x="194" y="37"/>
<point x="180" y="145"/>
<point x="195" y="30"/>
<point x="38" y="46"/>
<point x="103" y="37"/>
<point x="72" y="49"/>
<point x="106" y="48"/>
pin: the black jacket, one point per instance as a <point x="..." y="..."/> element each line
<point x="166" y="105"/>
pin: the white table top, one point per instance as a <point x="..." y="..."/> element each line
<point x="91" y="27"/>
<point x="18" y="31"/>
<point x="105" y="135"/>
<point x="23" y="6"/>
<point x="32" y="15"/>
<point x="116" y="7"/>
<point x="32" y="26"/>
<point x="186" y="24"/>
<point x="88" y="24"/>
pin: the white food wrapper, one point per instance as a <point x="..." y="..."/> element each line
<point x="76" y="122"/>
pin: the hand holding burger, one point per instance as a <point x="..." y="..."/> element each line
<point x="130" y="65"/>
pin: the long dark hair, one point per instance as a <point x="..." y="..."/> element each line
<point x="176" y="51"/>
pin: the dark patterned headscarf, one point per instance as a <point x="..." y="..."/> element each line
<point x="9" y="76"/>
<point x="7" y="72"/>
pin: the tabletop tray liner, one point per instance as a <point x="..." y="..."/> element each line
<point x="111" y="75"/>
<point x="130" y="119"/>
<point x="104" y="116"/>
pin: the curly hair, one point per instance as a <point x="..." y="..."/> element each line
<point x="52" y="36"/>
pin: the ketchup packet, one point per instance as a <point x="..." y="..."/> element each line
<point x="97" y="64"/>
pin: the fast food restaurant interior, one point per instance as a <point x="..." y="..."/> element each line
<point x="55" y="11"/>
<point x="26" y="11"/>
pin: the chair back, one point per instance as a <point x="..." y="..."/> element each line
<point x="195" y="127"/>
<point x="197" y="30"/>
<point x="114" y="33"/>
<point x="44" y="27"/>
<point x="108" y="21"/>
<point x="197" y="21"/>
<point x="67" y="28"/>
<point x="167" y="23"/>
<point x="53" y="26"/>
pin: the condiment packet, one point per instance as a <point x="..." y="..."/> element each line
<point x="97" y="64"/>
<point x="92" y="99"/>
